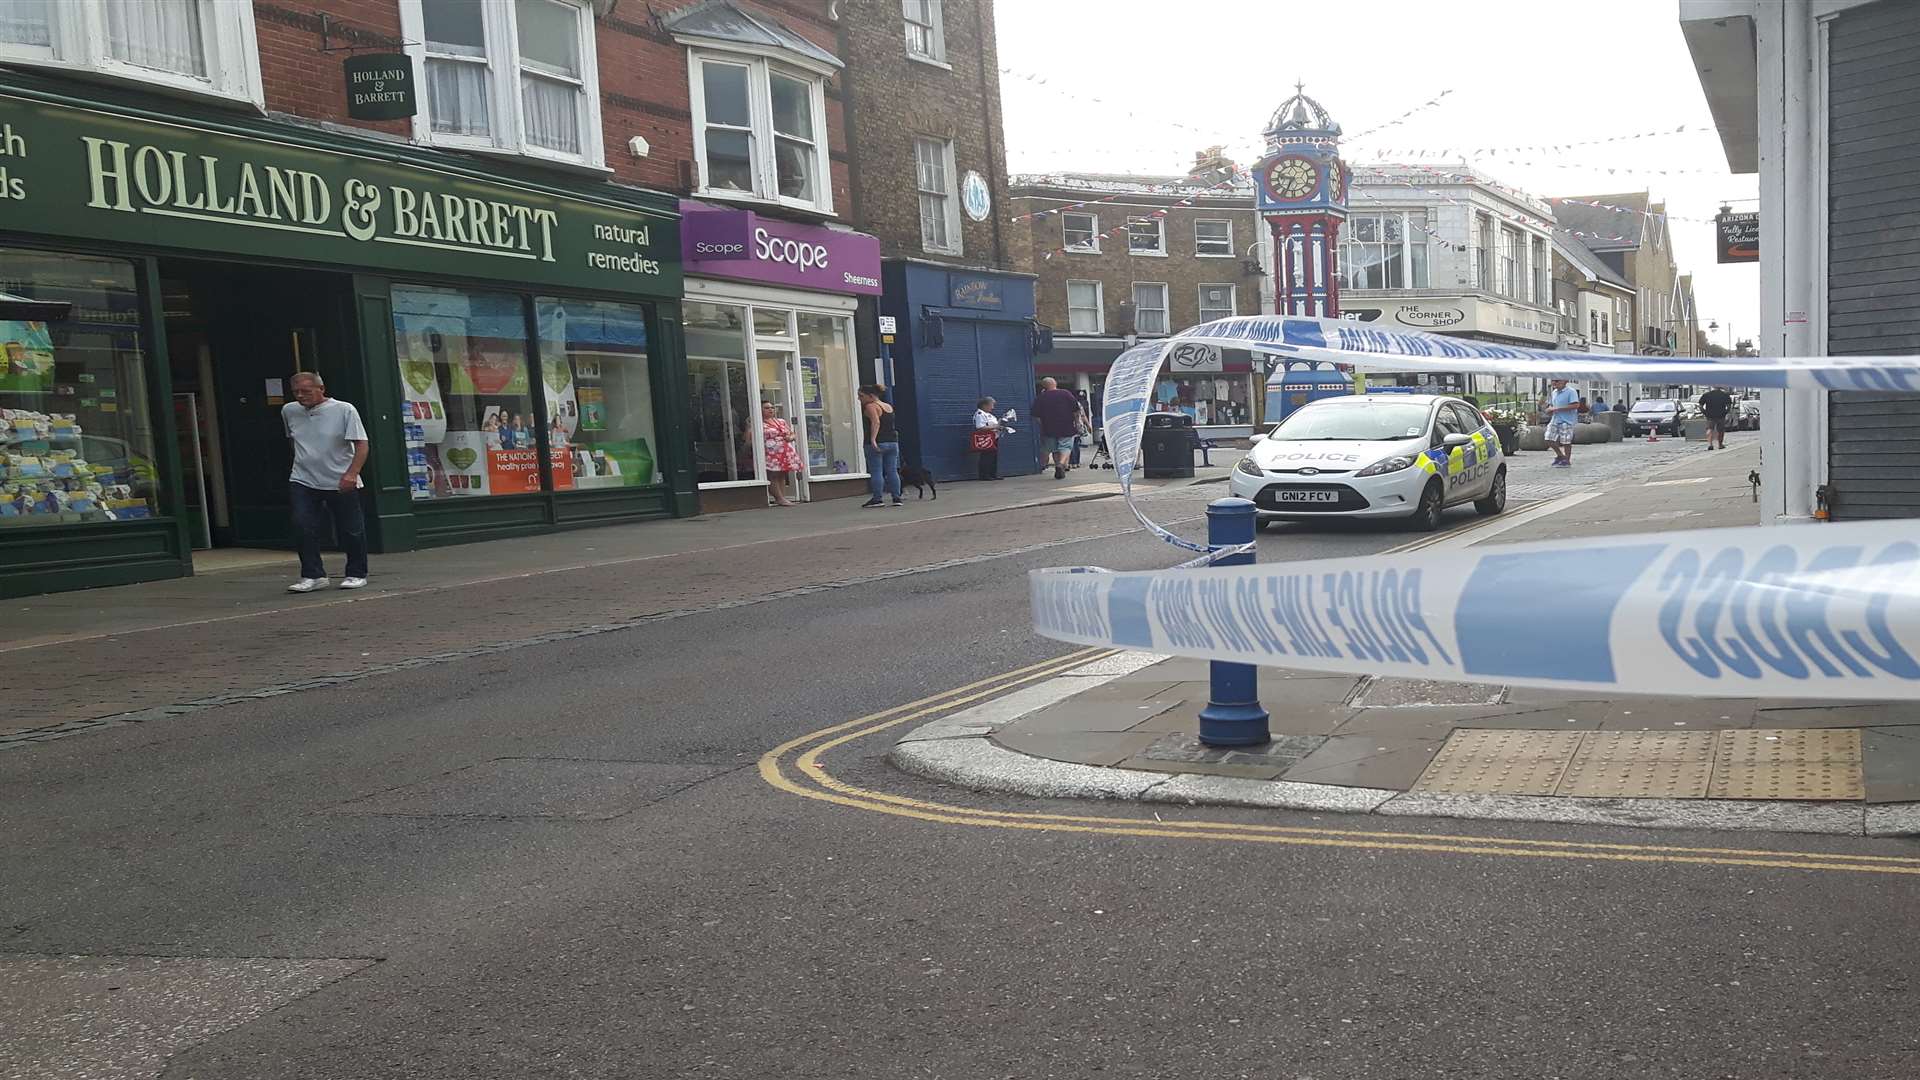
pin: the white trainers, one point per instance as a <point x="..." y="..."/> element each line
<point x="308" y="584"/>
<point x="353" y="583"/>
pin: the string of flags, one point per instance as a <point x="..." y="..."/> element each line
<point x="1239" y="173"/>
<point x="1432" y="103"/>
<point x="1535" y="148"/>
<point x="1140" y="189"/>
<point x="1213" y="135"/>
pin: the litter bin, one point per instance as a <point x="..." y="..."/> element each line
<point x="1166" y="447"/>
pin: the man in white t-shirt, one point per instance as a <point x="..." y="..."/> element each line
<point x="329" y="449"/>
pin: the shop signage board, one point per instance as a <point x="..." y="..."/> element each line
<point x="743" y="245"/>
<point x="1462" y="315"/>
<point x="1195" y="356"/>
<point x="1736" y="237"/>
<point x="380" y="86"/>
<point x="968" y="291"/>
<point x="77" y="172"/>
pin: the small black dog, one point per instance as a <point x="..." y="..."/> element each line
<point x="919" y="479"/>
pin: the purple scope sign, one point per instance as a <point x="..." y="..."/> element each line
<point x="741" y="244"/>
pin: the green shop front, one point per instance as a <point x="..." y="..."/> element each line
<point x="512" y="342"/>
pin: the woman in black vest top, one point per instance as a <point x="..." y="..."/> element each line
<point x="882" y="446"/>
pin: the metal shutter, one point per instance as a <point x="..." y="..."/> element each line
<point x="1010" y="383"/>
<point x="1873" y="279"/>
<point x="949" y="388"/>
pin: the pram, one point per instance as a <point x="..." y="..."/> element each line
<point x="1101" y="459"/>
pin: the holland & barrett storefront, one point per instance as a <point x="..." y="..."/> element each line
<point x="513" y="344"/>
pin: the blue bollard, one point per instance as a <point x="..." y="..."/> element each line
<point x="1233" y="716"/>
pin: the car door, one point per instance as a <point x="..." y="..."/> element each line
<point x="1481" y="468"/>
<point x="1446" y="422"/>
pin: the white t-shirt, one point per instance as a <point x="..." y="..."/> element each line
<point x="984" y="419"/>
<point x="323" y="439"/>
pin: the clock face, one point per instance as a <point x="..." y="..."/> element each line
<point x="1293" y="178"/>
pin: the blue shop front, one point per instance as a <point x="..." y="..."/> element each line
<point x="963" y="334"/>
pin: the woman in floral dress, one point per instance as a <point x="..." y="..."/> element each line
<point x="783" y="456"/>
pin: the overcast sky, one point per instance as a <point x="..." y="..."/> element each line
<point x="1133" y="86"/>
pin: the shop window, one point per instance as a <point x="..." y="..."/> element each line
<point x="926" y="34"/>
<point x="939" y="201"/>
<point x="1147" y="235"/>
<point x="1385" y="251"/>
<point x="1213" y="239"/>
<point x="516" y="76"/>
<point x="1149" y="307"/>
<point x="76" y="438"/>
<point x="1085" y="312"/>
<point x="1209" y="399"/>
<point x="469" y="421"/>
<point x="596" y="374"/>
<point x="203" y="47"/>
<point x="724" y="419"/>
<point x="1080" y="232"/>
<point x="1217" y="302"/>
<point x="829" y="408"/>
<point x="762" y="131"/>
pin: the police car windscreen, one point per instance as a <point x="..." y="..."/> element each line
<point x="1357" y="421"/>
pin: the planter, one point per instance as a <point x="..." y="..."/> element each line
<point x="1509" y="436"/>
<point x="1533" y="437"/>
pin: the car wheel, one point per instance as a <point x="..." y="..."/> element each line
<point x="1496" y="499"/>
<point x="1263" y="524"/>
<point x="1426" y="516"/>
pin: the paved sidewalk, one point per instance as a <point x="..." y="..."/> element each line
<point x="1448" y="749"/>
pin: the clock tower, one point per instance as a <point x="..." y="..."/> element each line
<point x="1301" y="191"/>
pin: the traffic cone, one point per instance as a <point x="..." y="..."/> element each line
<point x="1653" y="433"/>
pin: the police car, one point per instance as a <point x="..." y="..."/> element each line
<point x="1375" y="456"/>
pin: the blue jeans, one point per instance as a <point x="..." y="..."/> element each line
<point x="310" y="507"/>
<point x="883" y="470"/>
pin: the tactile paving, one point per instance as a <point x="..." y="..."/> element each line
<point x="1509" y="744"/>
<point x="1787" y="744"/>
<point x="1486" y="776"/>
<point x="1594" y="778"/>
<point x="1620" y="747"/>
<point x="1787" y="780"/>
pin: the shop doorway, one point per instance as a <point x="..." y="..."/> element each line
<point x="781" y="384"/>
<point x="234" y="335"/>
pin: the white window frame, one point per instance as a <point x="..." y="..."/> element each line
<point x="1160" y="224"/>
<point x="1233" y="300"/>
<point x="1198" y="253"/>
<point x="936" y="32"/>
<point x="503" y="87"/>
<point x="766" y="182"/>
<point x="1407" y="243"/>
<point x="78" y="29"/>
<point x="1099" y="306"/>
<point x="1166" y="315"/>
<point x="956" y="244"/>
<point x="1606" y="331"/>
<point x="1092" y="246"/>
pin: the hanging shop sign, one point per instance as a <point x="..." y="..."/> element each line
<point x="380" y="86"/>
<point x="1736" y="237"/>
<point x="741" y="244"/>
<point x="78" y="172"/>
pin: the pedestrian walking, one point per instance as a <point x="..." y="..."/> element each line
<point x="1563" y="409"/>
<point x="883" y="447"/>
<point x="329" y="449"/>
<point x="1715" y="404"/>
<point x="1083" y="429"/>
<point x="782" y="455"/>
<point x="1057" y="412"/>
<point x="985" y="441"/>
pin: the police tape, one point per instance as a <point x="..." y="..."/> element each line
<point x="1131" y="382"/>
<point x="1828" y="613"/>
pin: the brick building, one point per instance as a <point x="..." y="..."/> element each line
<point x="1121" y="257"/>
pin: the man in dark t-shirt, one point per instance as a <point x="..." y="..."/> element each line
<point x="1057" y="412"/>
<point x="1715" y="404"/>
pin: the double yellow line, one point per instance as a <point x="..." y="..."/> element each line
<point x="796" y="768"/>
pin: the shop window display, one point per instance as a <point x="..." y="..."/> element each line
<point x="596" y="377"/>
<point x="827" y="392"/>
<point x="76" y="437"/>
<point x="1209" y="399"/>
<point x="724" y="423"/>
<point x="469" y="421"/>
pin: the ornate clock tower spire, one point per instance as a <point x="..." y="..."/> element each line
<point x="1301" y="188"/>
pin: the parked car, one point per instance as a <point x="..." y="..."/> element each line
<point x="1747" y="418"/>
<point x="1655" y="414"/>
<point x="1375" y="455"/>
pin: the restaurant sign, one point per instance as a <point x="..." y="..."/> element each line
<point x="1736" y="237"/>
<point x="76" y="172"/>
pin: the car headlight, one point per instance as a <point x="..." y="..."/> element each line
<point x="1389" y="465"/>
<point x="1248" y="468"/>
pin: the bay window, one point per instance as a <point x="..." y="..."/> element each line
<point x="760" y="131"/>
<point x="513" y="76"/>
<point x="201" y="47"/>
<point x="1385" y="251"/>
